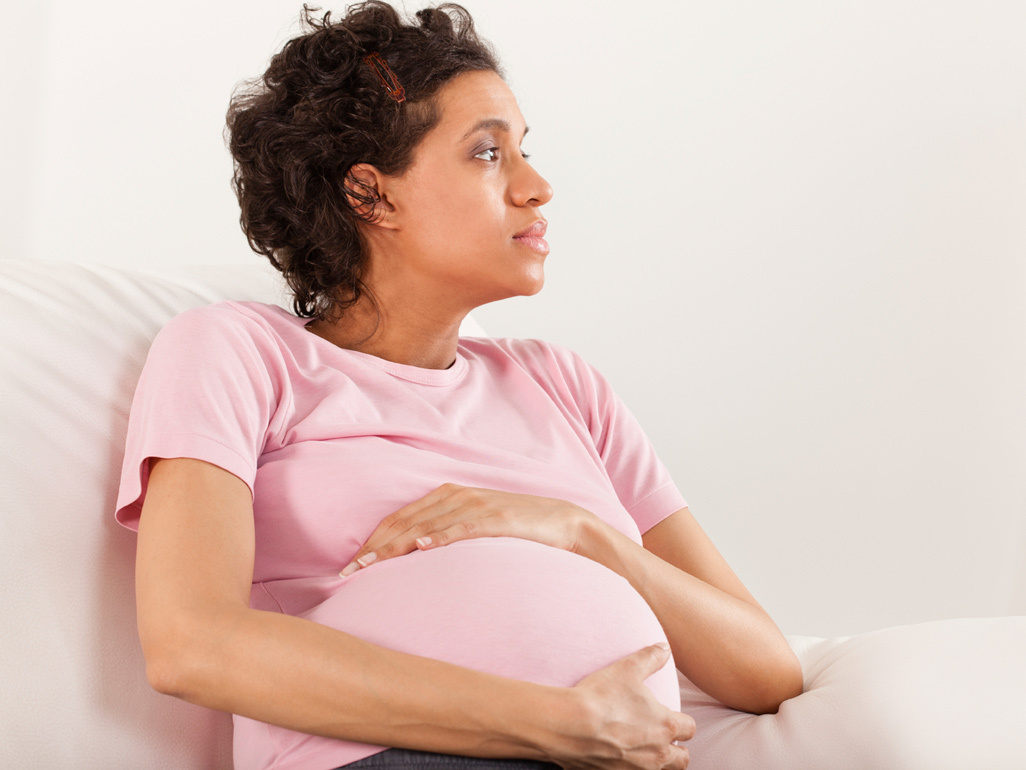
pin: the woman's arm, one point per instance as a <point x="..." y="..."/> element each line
<point x="204" y="644"/>
<point x="721" y="638"/>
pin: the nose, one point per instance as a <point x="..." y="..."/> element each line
<point x="530" y="188"/>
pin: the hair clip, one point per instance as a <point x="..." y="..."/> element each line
<point x="392" y="85"/>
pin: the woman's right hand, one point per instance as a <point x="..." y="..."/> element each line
<point x="622" y="725"/>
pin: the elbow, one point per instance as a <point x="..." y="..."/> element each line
<point x="168" y="666"/>
<point x="178" y="660"/>
<point x="164" y="675"/>
<point x="776" y="682"/>
<point x="770" y="702"/>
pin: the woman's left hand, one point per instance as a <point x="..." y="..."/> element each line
<point x="453" y="512"/>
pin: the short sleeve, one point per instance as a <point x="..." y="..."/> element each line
<point x="642" y="482"/>
<point x="209" y="391"/>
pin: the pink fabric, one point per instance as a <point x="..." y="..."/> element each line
<point x="330" y="441"/>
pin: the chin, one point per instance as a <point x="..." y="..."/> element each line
<point x="535" y="287"/>
<point x="534" y="280"/>
<point x="526" y="285"/>
<point x="528" y="288"/>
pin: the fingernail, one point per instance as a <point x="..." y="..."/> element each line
<point x="423" y="542"/>
<point x="370" y="558"/>
<point x="349" y="570"/>
<point x="663" y="646"/>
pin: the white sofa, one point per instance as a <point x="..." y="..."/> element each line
<point x="950" y="694"/>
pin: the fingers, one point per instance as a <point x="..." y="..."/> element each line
<point x="454" y="512"/>
<point x="681" y="759"/>
<point x="399" y="532"/>
<point x="466" y="529"/>
<point x="369" y="554"/>
<point x="417" y="538"/>
<point x="646" y="662"/>
<point x="685" y="727"/>
<point x="649" y="659"/>
<point x="630" y="672"/>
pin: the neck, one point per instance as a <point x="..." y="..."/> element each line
<point x="399" y="332"/>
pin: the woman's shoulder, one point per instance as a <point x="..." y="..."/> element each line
<point x="240" y="313"/>
<point x="234" y="318"/>
<point x="228" y="330"/>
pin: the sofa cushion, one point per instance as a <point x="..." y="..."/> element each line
<point x="945" y="695"/>
<point x="73" y="340"/>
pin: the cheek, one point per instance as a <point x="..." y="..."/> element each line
<point x="462" y="211"/>
<point x="453" y="204"/>
<point x="457" y="194"/>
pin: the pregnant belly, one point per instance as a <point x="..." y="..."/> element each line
<point x="504" y="606"/>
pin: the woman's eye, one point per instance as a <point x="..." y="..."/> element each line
<point x="492" y="154"/>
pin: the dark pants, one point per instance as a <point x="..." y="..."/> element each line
<point x="406" y="759"/>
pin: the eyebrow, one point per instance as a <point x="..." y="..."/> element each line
<point x="490" y="123"/>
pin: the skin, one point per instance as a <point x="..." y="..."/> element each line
<point x="443" y="245"/>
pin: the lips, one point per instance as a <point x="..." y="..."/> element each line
<point x="532" y="238"/>
<point x="537" y="230"/>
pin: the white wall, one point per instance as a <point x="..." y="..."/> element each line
<point x="793" y="235"/>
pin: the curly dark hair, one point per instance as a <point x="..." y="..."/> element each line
<point x="318" y="110"/>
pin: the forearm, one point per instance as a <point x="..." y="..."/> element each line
<point x="314" y="679"/>
<point x="728" y="647"/>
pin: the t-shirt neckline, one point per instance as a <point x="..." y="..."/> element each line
<point x="418" y="374"/>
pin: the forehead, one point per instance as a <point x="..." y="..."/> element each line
<point x="473" y="99"/>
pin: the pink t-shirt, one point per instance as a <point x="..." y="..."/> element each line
<point x="331" y="440"/>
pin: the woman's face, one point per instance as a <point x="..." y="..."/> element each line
<point x="469" y="194"/>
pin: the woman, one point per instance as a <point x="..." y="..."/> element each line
<point x="357" y="530"/>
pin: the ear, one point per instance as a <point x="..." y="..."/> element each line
<point x="366" y="190"/>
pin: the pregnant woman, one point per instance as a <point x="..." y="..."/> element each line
<point x="373" y="541"/>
